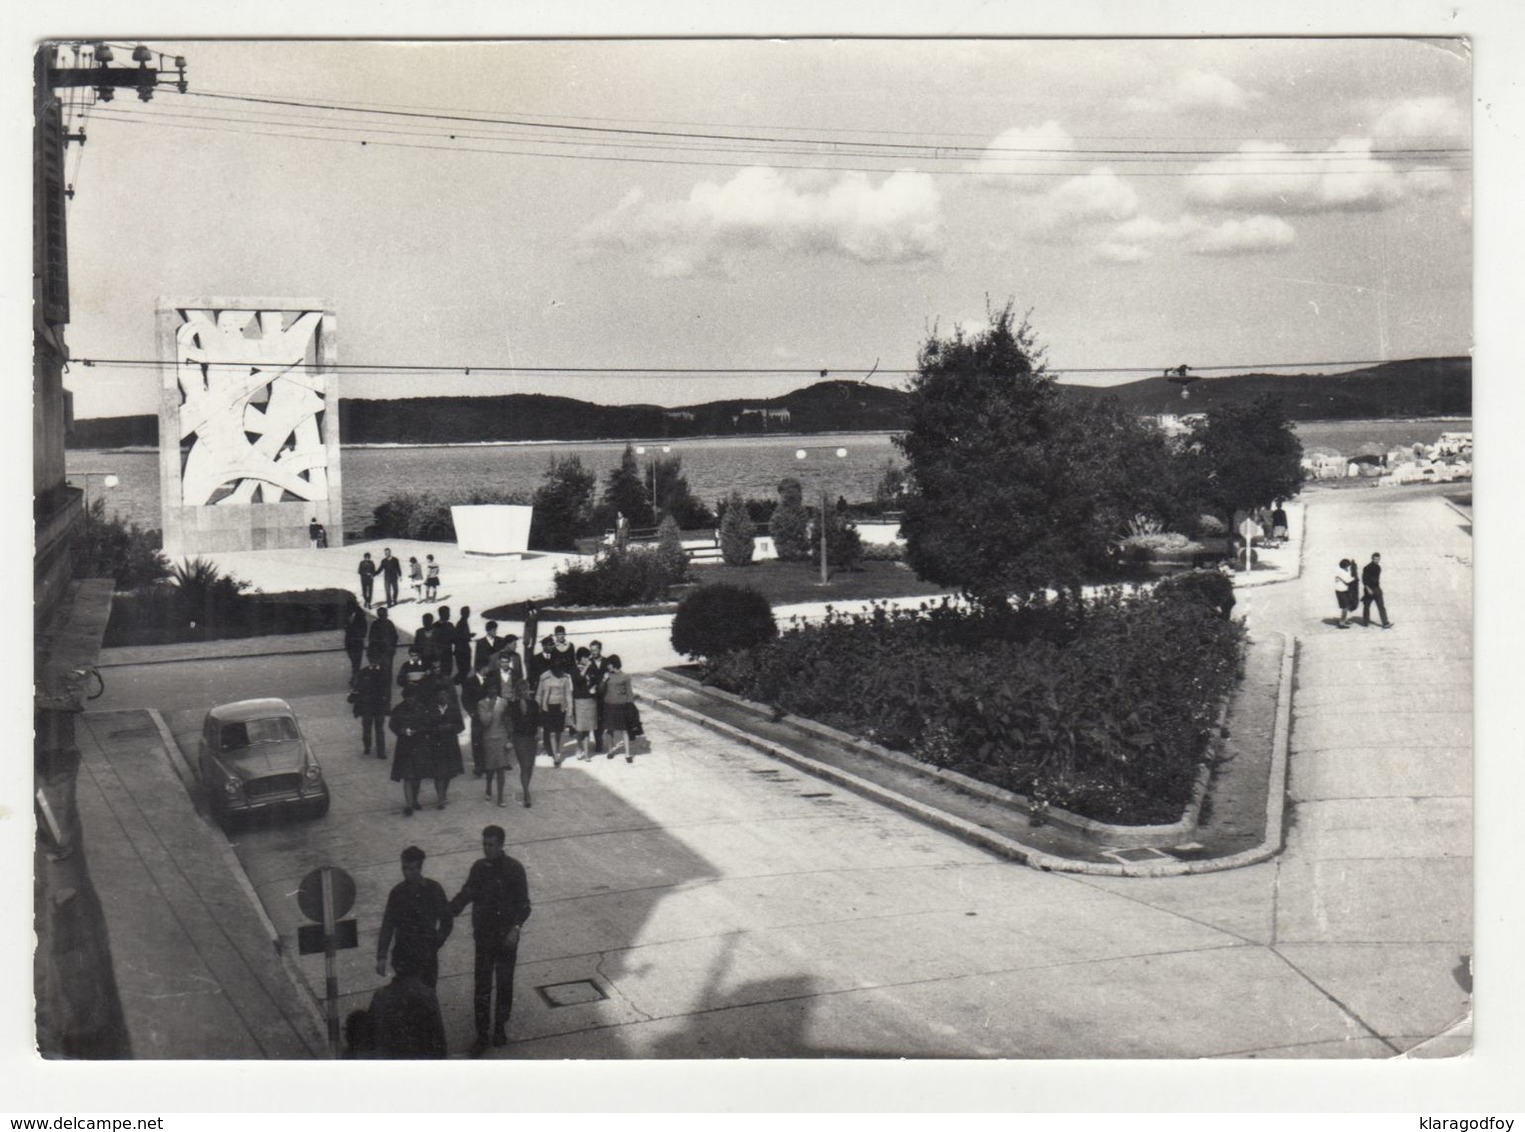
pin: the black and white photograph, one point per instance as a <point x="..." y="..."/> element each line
<point x="795" y="548"/>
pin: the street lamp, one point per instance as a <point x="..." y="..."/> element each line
<point x="108" y="478"/>
<point x="841" y="454"/>
<point x="641" y="451"/>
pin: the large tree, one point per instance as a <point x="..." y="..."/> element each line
<point x="625" y="490"/>
<point x="563" y="504"/>
<point x="1245" y="456"/>
<point x="1016" y="488"/>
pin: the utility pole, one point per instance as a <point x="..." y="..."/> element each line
<point x="79" y="1013"/>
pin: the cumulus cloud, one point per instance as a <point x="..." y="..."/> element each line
<point x="1248" y="236"/>
<point x="1346" y="177"/>
<point x="1192" y="90"/>
<point x="1436" y="119"/>
<point x="896" y="220"/>
<point x="1099" y="195"/>
<point x="1014" y="158"/>
<point x="1140" y="238"/>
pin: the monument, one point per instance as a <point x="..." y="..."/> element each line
<point x="248" y="424"/>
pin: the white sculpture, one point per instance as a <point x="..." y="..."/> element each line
<point x="241" y="375"/>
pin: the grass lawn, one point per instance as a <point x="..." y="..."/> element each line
<point x="782" y="583"/>
<point x="788" y="583"/>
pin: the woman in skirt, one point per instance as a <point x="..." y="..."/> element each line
<point x="497" y="749"/>
<point x="1347" y="591"/>
<point x="416" y="579"/>
<point x="445" y="726"/>
<point x="524" y="726"/>
<point x="411" y="758"/>
<point x="553" y="696"/>
<point x="585" y="689"/>
<point x="619" y="698"/>
<point x="431" y="578"/>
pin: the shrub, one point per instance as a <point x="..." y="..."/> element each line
<point x="156" y="615"/>
<point x="621" y="577"/>
<point x="721" y="619"/>
<point x="114" y="548"/>
<point x="884" y="552"/>
<point x="1208" y="587"/>
<point x="737" y="532"/>
<point x="426" y="517"/>
<point x="1210" y="526"/>
<point x="844" y="546"/>
<point x="1104" y="707"/>
<point x="790" y="528"/>
<point x="674" y="559"/>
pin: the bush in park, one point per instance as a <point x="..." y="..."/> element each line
<point x="720" y="620"/>
<point x="628" y="576"/>
<point x="114" y="548"/>
<point x="737" y="532"/>
<point x="1213" y="589"/>
<point x="790" y="523"/>
<point x="1104" y="710"/>
<point x="670" y="552"/>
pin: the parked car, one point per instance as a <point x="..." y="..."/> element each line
<point x="254" y="760"/>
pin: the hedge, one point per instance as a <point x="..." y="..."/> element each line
<point x="1104" y="708"/>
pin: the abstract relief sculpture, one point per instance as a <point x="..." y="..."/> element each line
<point x="249" y="398"/>
<point x="250" y="407"/>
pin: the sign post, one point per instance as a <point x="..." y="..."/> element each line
<point x="1249" y="530"/>
<point x="326" y="894"/>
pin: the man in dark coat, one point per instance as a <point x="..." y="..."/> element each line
<point x="405" y="1019"/>
<point x="487" y="646"/>
<point x="356" y="629"/>
<point x="1371" y="582"/>
<point x="461" y="644"/>
<point x="442" y="637"/>
<point x="498" y="892"/>
<point x="383" y="639"/>
<point x="391" y="571"/>
<point x="367" y="578"/>
<point x="373" y="702"/>
<point x="417" y="920"/>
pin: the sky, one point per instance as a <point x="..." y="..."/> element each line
<point x="582" y="205"/>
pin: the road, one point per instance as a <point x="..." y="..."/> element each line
<point x="708" y="902"/>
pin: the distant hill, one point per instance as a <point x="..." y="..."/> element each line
<point x="1419" y="387"/>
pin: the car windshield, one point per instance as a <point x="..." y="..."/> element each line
<point x="276" y="729"/>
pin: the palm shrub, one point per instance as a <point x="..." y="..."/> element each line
<point x="737" y="532"/>
<point x="114" y="548"/>
<point x="722" y="619"/>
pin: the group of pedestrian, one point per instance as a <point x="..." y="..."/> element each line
<point x="404" y="1018"/>
<point x="423" y="578"/>
<point x="1364" y="590"/>
<point x="453" y="681"/>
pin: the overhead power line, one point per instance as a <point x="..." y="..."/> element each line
<point x="694" y="162"/>
<point x="836" y="373"/>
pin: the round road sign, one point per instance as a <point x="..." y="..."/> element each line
<point x="310" y="893"/>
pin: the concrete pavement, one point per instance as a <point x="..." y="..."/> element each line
<point x="707" y="901"/>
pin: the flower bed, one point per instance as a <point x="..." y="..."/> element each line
<point x="1103" y="709"/>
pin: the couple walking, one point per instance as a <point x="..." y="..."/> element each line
<point x="1348" y="591"/>
<point x="405" y="1015"/>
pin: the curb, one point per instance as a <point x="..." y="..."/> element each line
<point x="995" y="842"/>
<point x="235" y="867"/>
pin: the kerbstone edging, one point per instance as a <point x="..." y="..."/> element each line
<point x="1098" y="832"/>
<point x="1005" y="846"/>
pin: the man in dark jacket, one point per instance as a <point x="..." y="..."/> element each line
<point x="417" y="918"/>
<point x="373" y="702"/>
<point x="404" y="1016"/>
<point x="383" y="639"/>
<point x="367" y="578"/>
<point x="1371" y="582"/>
<point x="391" y="571"/>
<point x="461" y="643"/>
<point x="488" y="646"/>
<point x="356" y="629"/>
<point x="498" y="892"/>
<point x="442" y="638"/>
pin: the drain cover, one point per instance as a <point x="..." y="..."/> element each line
<point x="572" y="994"/>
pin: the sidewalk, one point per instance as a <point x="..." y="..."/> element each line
<point x="194" y="958"/>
